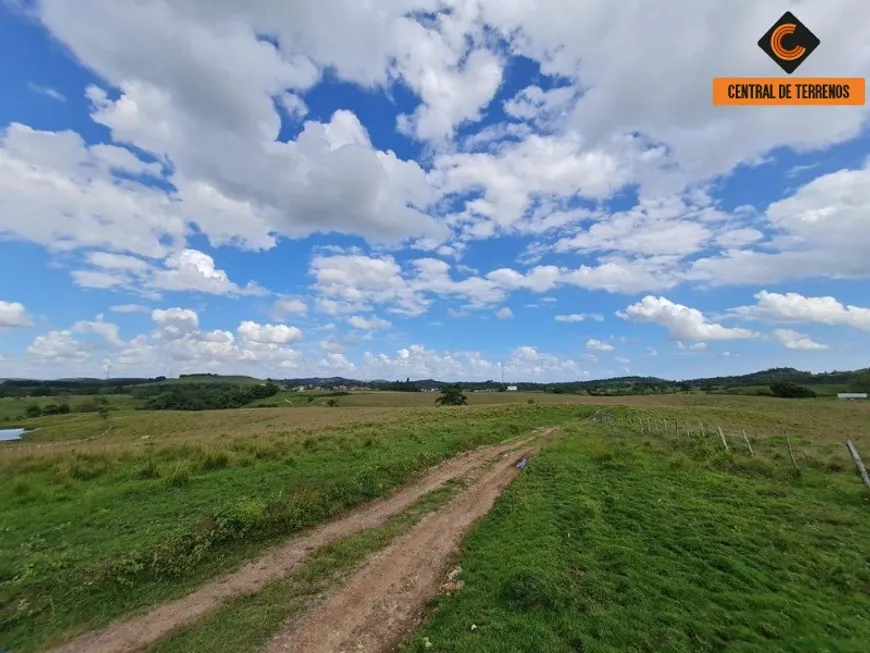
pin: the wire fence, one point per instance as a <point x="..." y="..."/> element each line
<point x="794" y="449"/>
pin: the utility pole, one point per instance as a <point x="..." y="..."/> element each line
<point x="502" y="373"/>
<point x="108" y="372"/>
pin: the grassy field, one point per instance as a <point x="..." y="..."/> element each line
<point x="12" y="409"/>
<point x="102" y="518"/>
<point x="614" y="541"/>
<point x="101" y="528"/>
<point x="410" y="399"/>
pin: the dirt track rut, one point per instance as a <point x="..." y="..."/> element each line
<point x="383" y="602"/>
<point x="137" y="633"/>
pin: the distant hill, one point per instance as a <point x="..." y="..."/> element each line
<point x="92" y="386"/>
<point x="824" y="382"/>
<point x="777" y="374"/>
<point x="207" y="378"/>
<point x="625" y="384"/>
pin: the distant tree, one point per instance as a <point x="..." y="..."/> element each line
<point x="790" y="390"/>
<point x="684" y="387"/>
<point x="332" y="403"/>
<point x="860" y="381"/>
<point x="33" y="410"/>
<point x="402" y="386"/>
<point x="451" y="395"/>
<point x="86" y="406"/>
<point x="51" y="409"/>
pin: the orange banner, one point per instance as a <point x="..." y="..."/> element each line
<point x="773" y="91"/>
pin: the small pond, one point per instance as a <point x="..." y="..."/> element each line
<point x="8" y="435"/>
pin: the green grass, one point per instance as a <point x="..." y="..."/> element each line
<point x="615" y="542"/>
<point x="289" y="399"/>
<point x="160" y="501"/>
<point x="12" y="409"/>
<point x="246" y="623"/>
<point x="91" y="533"/>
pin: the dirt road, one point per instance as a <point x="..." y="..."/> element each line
<point x="383" y="603"/>
<point x="137" y="633"/>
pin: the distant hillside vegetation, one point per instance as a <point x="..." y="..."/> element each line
<point x="756" y="382"/>
<point x="823" y="383"/>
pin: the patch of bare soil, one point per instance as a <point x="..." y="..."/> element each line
<point x="139" y="632"/>
<point x="383" y="602"/>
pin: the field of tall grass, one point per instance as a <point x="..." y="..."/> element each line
<point x="96" y="529"/>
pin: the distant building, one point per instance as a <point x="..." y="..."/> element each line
<point x="852" y="395"/>
<point x="512" y="388"/>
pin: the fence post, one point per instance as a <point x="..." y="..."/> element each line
<point x="722" y="436"/>
<point x="688" y="431"/>
<point x="859" y="464"/>
<point x="703" y="433"/>
<point x="791" y="451"/>
<point x="745" y="439"/>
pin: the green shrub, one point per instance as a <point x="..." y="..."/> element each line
<point x="149" y="470"/>
<point x="179" y="475"/>
<point x="790" y="390"/>
<point x="211" y="459"/>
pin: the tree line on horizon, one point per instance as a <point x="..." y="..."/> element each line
<point x="213" y="385"/>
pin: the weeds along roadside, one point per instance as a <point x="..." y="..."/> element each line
<point x="246" y="623"/>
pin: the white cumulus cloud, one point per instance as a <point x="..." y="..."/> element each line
<point x="684" y="324"/>
<point x="794" y="307"/>
<point x="14" y="314"/>
<point x="794" y="340"/>
<point x="596" y="345"/>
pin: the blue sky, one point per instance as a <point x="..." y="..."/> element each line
<point x="426" y="190"/>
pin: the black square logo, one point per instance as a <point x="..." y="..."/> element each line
<point x="789" y="42"/>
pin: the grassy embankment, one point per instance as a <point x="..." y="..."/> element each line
<point x="162" y="501"/>
<point x="615" y="541"/>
